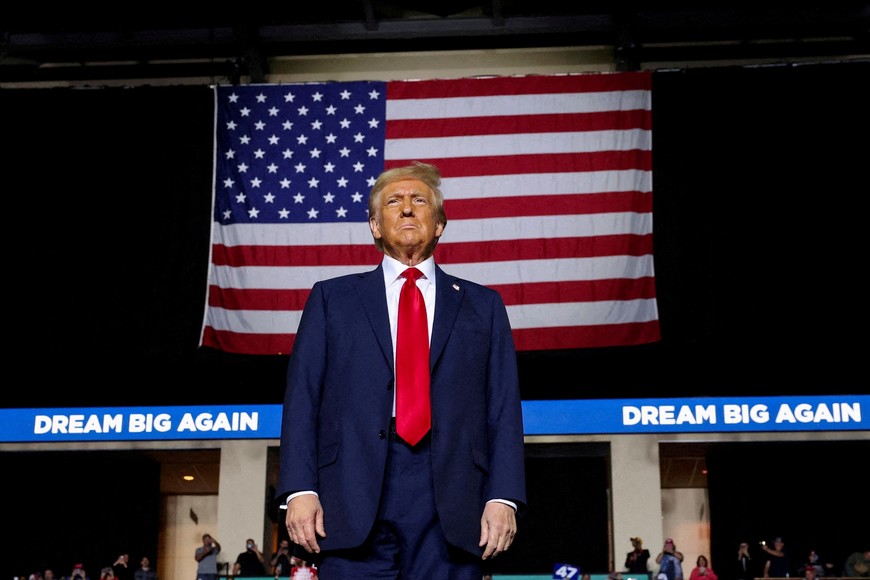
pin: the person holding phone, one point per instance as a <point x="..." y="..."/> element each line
<point x="281" y="560"/>
<point x="251" y="562"/>
<point x="206" y="557"/>
<point x="702" y="570"/>
<point x="670" y="561"/>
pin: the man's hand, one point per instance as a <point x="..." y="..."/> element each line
<point x="498" y="526"/>
<point x="305" y="522"/>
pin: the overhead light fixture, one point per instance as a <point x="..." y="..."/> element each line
<point x="188" y="477"/>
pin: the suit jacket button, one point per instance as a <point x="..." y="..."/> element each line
<point x="382" y="434"/>
<point x="390" y="386"/>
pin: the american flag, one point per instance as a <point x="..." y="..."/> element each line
<point x="548" y="194"/>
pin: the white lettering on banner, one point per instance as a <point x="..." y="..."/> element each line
<point x="146" y="423"/>
<point x="669" y="415"/>
<point x="143" y="423"/>
<point x="740" y="414"/>
<point x="220" y="422"/>
<point x="733" y="414"/>
<point x="77" y="424"/>
<point x="821" y="413"/>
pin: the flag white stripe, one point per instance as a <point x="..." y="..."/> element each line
<point x="254" y="321"/>
<point x="486" y="273"/>
<point x="582" y="313"/>
<point x="540" y="104"/>
<point x="314" y="234"/>
<point x="554" y="270"/>
<point x="517" y="144"/>
<point x="457" y="231"/>
<point x="550" y="227"/>
<point x="531" y="184"/>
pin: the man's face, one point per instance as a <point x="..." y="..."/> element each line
<point x="406" y="220"/>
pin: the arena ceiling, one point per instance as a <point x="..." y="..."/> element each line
<point x="72" y="42"/>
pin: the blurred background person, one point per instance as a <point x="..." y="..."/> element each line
<point x="819" y="567"/>
<point x="78" y="573"/>
<point x="251" y="562"/>
<point x="637" y="561"/>
<point x="145" y="571"/>
<point x="670" y="561"/>
<point x="776" y="565"/>
<point x="302" y="570"/>
<point x="857" y="565"/>
<point x="121" y="567"/>
<point x="206" y="557"/>
<point x="107" y="573"/>
<point x="744" y="569"/>
<point x="281" y="560"/>
<point x="702" y="570"/>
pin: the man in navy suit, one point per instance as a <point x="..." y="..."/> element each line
<point x="369" y="504"/>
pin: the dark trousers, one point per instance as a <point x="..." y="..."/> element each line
<point x="406" y="542"/>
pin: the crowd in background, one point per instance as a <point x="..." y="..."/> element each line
<point x="774" y="562"/>
<point x="120" y="569"/>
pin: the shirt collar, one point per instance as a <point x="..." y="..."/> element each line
<point x="394" y="268"/>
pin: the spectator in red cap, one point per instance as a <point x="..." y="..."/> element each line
<point x="78" y="573"/>
<point x="670" y="561"/>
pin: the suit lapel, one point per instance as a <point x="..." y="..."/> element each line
<point x="449" y="294"/>
<point x="372" y="294"/>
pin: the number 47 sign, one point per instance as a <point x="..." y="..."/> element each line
<point x="565" y="572"/>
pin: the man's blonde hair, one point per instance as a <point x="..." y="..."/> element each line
<point x="425" y="172"/>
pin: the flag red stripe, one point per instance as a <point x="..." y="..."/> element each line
<point x="245" y="343"/>
<point x="324" y="255"/>
<point x="576" y="291"/>
<point x="257" y="298"/>
<point x="544" y="249"/>
<point x="456" y="253"/>
<point x="525" y="339"/>
<point x="530" y="85"/>
<point x="540" y="205"/>
<point x="562" y="337"/>
<point x="519" y="124"/>
<point x="535" y="163"/>
<point x="512" y="294"/>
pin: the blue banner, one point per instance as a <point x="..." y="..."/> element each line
<point x="697" y="415"/>
<point x="568" y="417"/>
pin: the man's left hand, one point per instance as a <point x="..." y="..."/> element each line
<point x="498" y="526"/>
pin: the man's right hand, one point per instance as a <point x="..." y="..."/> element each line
<point x="305" y="522"/>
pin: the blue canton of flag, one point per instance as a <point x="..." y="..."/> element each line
<point x="306" y="153"/>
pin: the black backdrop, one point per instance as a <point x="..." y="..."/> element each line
<point x="87" y="507"/>
<point x="759" y="186"/>
<point x="809" y="493"/>
<point x="759" y="182"/>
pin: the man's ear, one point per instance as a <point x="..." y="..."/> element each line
<point x="439" y="230"/>
<point x="373" y="225"/>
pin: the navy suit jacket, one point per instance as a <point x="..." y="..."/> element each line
<point x="339" y="397"/>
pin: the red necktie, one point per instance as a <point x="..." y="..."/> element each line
<point x="413" y="415"/>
